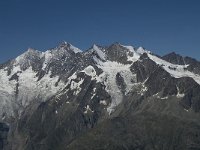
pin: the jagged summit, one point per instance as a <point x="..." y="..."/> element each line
<point x="67" y="46"/>
<point x="31" y="50"/>
<point x="62" y="46"/>
<point x="142" y="50"/>
<point x="175" y="58"/>
<point x="63" y="43"/>
<point x="96" y="95"/>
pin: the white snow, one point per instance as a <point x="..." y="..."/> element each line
<point x="56" y="54"/>
<point x="24" y="58"/>
<point x="88" y="109"/>
<point x="29" y="89"/>
<point x="164" y="97"/>
<point x="130" y="79"/>
<point x="6" y="85"/>
<point x="75" y="49"/>
<point x="16" y="69"/>
<point x="103" y="102"/>
<point x="90" y="71"/>
<point x="76" y="86"/>
<point x="7" y="92"/>
<point x="178" y="70"/>
<point x="143" y="88"/>
<point x="94" y="93"/>
<point x="130" y="48"/>
<point x="141" y="51"/>
<point x="110" y="70"/>
<point x="100" y="53"/>
<point x="47" y="57"/>
<point x="135" y="56"/>
<point x="179" y="95"/>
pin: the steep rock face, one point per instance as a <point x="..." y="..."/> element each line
<point x="117" y="52"/>
<point x="143" y="68"/>
<point x="175" y="58"/>
<point x="66" y="99"/>
<point x="193" y="65"/>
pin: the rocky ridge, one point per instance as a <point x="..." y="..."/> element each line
<point x="66" y="98"/>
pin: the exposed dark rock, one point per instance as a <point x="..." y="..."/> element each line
<point x="118" y="53"/>
<point x="194" y="65"/>
<point x="174" y="58"/>
<point x="143" y="68"/>
<point x="159" y="111"/>
<point x="120" y="82"/>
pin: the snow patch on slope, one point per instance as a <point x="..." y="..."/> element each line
<point x="76" y="86"/>
<point x="103" y="102"/>
<point x="179" y="95"/>
<point x="100" y="53"/>
<point x="17" y="94"/>
<point x="110" y="70"/>
<point x="26" y="57"/>
<point x="7" y="94"/>
<point x="135" y="56"/>
<point x="90" y="71"/>
<point x="75" y="49"/>
<point x="57" y="53"/>
<point x="130" y="79"/>
<point x="47" y="57"/>
<point x="88" y="109"/>
<point x="176" y="71"/>
<point x="141" y="51"/>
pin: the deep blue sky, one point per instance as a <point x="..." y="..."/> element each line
<point x="161" y="26"/>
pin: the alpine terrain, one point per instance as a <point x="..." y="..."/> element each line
<point x="105" y="98"/>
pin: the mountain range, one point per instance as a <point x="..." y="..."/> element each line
<point x="113" y="97"/>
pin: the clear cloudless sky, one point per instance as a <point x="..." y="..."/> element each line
<point x="161" y="26"/>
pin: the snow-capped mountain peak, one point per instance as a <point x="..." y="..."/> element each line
<point x="59" y="63"/>
<point x="65" y="89"/>
<point x="176" y="71"/>
<point x="28" y="58"/>
<point x="68" y="46"/>
<point x="29" y="54"/>
<point x="142" y="50"/>
<point x="132" y="55"/>
<point x="75" y="49"/>
<point x="131" y="48"/>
